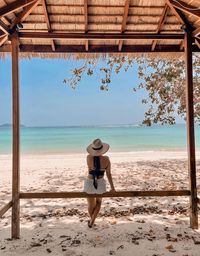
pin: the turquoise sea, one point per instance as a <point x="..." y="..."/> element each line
<point x="62" y="140"/>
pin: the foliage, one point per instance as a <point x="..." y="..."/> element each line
<point x="163" y="79"/>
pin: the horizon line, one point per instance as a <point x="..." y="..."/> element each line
<point x="90" y="125"/>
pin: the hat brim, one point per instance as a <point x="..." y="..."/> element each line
<point x="98" y="152"/>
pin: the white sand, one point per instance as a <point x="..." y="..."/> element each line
<point x="126" y="226"/>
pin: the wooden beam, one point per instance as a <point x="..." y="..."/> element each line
<point x="149" y="24"/>
<point x="182" y="45"/>
<point x="86" y="15"/>
<point x="196" y="32"/>
<point x="53" y="46"/>
<point x="98" y="36"/>
<point x="86" y="22"/>
<point x="197" y="42"/>
<point x="3" y="40"/>
<point x="179" y="15"/>
<point x="162" y="18"/>
<point x="125" y="15"/>
<point x="160" y="24"/>
<point x="4" y="19"/>
<point x="5" y="208"/>
<point x="4" y="27"/>
<point x="29" y="48"/>
<point x="189" y="9"/>
<point x="158" y="193"/>
<point x="14" y="6"/>
<point x="124" y="21"/>
<point x="190" y="131"/>
<point x="46" y="15"/>
<point x="87" y="45"/>
<point x="44" y="4"/>
<point x="25" y="13"/>
<point x="15" y="138"/>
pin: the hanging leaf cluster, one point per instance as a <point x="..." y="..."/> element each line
<point x="162" y="79"/>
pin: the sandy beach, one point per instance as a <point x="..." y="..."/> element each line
<point x="143" y="226"/>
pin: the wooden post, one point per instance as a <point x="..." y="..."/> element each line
<point x="16" y="138"/>
<point x="190" y="131"/>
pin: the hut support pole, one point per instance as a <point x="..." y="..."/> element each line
<point x="190" y="131"/>
<point x="16" y="138"/>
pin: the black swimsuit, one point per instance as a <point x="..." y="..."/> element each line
<point x="96" y="173"/>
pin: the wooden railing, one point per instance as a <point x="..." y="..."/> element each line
<point x="5" y="208"/>
<point x="136" y="193"/>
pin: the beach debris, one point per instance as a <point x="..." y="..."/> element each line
<point x="112" y="252"/>
<point x="146" y="209"/>
<point x="3" y="247"/>
<point x="75" y="242"/>
<point x="120" y="247"/>
<point x="67" y="238"/>
<point x="169" y="247"/>
<point x="135" y="242"/>
<point x="140" y="221"/>
<point x="178" y="209"/>
<point x="64" y="249"/>
<point x="195" y="240"/>
<point x="113" y="222"/>
<point x="64" y="236"/>
<point x="97" y="238"/>
<point x="134" y="239"/>
<point x="129" y="218"/>
<point x="48" y="250"/>
<point x="171" y="239"/>
<point x="8" y="239"/>
<point x="35" y="244"/>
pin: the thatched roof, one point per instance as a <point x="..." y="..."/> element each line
<point x="58" y="28"/>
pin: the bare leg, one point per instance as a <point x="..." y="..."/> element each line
<point x="96" y="210"/>
<point x="91" y="205"/>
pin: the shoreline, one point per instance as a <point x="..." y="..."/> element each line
<point x="142" y="153"/>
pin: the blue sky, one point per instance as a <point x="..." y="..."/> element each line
<point x="46" y="101"/>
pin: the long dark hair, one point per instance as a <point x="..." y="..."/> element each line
<point x="96" y="162"/>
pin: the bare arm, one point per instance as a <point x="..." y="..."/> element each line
<point x="109" y="175"/>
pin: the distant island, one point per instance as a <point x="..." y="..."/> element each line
<point x="10" y="126"/>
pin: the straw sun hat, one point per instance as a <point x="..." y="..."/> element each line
<point x="97" y="148"/>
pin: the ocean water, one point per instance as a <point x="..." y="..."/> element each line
<point x="127" y="138"/>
